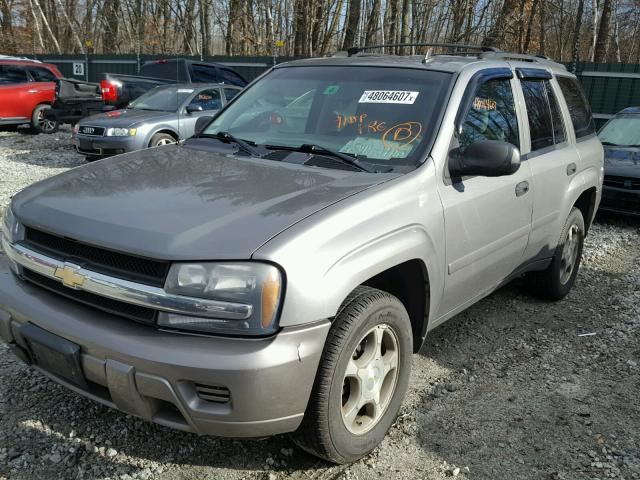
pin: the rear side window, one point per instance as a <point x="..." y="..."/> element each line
<point x="40" y="74"/>
<point x="578" y="107"/>
<point x="546" y="126"/>
<point x="13" y="74"/>
<point x="538" y="113"/>
<point x="203" y="74"/>
<point x="559" y="134"/>
<point x="230" y="93"/>
<point x="492" y="115"/>
<point x="163" y="69"/>
<point x="231" y="78"/>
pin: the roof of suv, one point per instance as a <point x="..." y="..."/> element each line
<point x="444" y="62"/>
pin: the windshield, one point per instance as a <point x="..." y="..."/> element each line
<point x="622" y="131"/>
<point x="383" y="115"/>
<point x="162" y="99"/>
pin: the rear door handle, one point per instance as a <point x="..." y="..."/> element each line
<point x="522" y="188"/>
<point x="571" y="169"/>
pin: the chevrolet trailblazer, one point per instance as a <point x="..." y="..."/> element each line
<point x="276" y="272"/>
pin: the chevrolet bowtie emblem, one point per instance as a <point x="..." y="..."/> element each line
<point x="69" y="276"/>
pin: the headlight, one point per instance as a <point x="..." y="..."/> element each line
<point x="121" y="132"/>
<point x="257" y="285"/>
<point x="10" y="226"/>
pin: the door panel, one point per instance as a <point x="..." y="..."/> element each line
<point x="486" y="232"/>
<point x="487" y="219"/>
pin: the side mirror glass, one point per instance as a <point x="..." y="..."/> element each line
<point x="487" y="158"/>
<point x="201" y="124"/>
<point x="194" y="108"/>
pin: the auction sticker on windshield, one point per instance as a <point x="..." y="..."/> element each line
<point x="389" y="96"/>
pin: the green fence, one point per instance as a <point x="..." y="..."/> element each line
<point x="610" y="87"/>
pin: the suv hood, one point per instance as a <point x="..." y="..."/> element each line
<point x="177" y="203"/>
<point x="126" y="118"/>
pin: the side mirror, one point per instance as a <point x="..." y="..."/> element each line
<point x="487" y="158"/>
<point x="201" y="124"/>
<point x="194" y="108"/>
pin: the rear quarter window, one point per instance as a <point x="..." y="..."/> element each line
<point x="579" y="109"/>
<point x="40" y="74"/>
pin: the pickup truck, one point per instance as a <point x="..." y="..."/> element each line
<point x="76" y="99"/>
<point x="276" y="272"/>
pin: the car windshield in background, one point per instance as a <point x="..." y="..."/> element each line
<point x="623" y="131"/>
<point x="381" y="115"/>
<point x="162" y="99"/>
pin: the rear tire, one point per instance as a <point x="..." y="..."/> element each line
<point x="556" y="281"/>
<point x="39" y="124"/>
<point x="161" y="139"/>
<point x="90" y="158"/>
<point x="366" y="361"/>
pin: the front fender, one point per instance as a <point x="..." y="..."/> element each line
<point x="330" y="253"/>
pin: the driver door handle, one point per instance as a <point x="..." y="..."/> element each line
<point x="522" y="188"/>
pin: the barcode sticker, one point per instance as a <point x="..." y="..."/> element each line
<point x="389" y="96"/>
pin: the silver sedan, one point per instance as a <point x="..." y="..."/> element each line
<point x="161" y="116"/>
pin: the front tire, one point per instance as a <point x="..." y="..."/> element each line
<point x="40" y="124"/>
<point x="161" y="139"/>
<point x="362" y="378"/>
<point x="556" y="281"/>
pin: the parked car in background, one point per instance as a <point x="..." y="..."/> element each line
<point x="119" y="90"/>
<point x="161" y="116"/>
<point x="27" y="89"/>
<point x="620" y="137"/>
<point x="76" y="99"/>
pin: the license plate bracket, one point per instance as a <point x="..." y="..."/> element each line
<point x="54" y="354"/>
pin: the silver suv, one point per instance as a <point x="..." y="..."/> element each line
<point x="276" y="272"/>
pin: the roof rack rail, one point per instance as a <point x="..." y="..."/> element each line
<point x="525" y="57"/>
<point x="454" y="46"/>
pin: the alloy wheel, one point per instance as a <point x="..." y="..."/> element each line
<point x="569" y="256"/>
<point x="370" y="379"/>
<point x="45" y="124"/>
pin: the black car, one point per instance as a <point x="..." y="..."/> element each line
<point x="621" y="140"/>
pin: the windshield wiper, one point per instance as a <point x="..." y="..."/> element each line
<point x="310" y="148"/>
<point x="226" y="136"/>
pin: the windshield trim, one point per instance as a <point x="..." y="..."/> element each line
<point x="423" y="155"/>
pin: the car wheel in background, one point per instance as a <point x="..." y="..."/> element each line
<point x="91" y="158"/>
<point x="362" y="378"/>
<point x="160" y="139"/>
<point x="39" y="124"/>
<point x="556" y="281"/>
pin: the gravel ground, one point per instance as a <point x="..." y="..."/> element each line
<point x="513" y="388"/>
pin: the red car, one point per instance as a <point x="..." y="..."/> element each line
<point x="27" y="89"/>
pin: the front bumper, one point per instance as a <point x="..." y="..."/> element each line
<point x="620" y="200"/>
<point x="161" y="376"/>
<point x="106" y="146"/>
